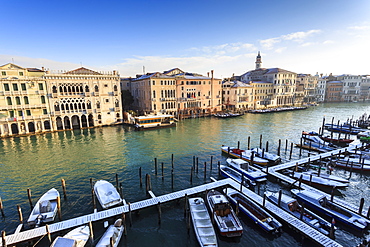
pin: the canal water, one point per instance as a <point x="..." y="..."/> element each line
<point x="40" y="162"/>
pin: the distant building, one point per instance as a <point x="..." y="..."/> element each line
<point x="275" y="87"/>
<point x="36" y="101"/>
<point x="321" y="89"/>
<point x="24" y="105"/>
<point x="176" y="92"/>
<point x="237" y="95"/>
<point x="306" y="84"/>
<point x="83" y="98"/>
<point x="334" y="91"/>
<point x="351" y="87"/>
<point x="365" y="88"/>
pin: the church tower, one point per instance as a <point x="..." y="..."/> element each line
<point x="258" y="61"/>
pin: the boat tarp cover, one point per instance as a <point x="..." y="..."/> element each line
<point x="107" y="192"/>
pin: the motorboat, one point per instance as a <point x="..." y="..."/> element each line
<point x="78" y="237"/>
<point x="261" y="153"/>
<point x="112" y="235"/>
<point x="45" y="209"/>
<point x="229" y="172"/>
<point x="292" y="206"/>
<point x="320" y="203"/>
<point x="349" y="163"/>
<point x="202" y="223"/>
<point x="312" y="178"/>
<point x="244" y="168"/>
<point x="223" y="214"/>
<point x="107" y="194"/>
<point x="254" y="211"/>
<point x="246" y="155"/>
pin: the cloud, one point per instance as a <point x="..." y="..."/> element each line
<point x="280" y="50"/>
<point x="360" y="28"/>
<point x="299" y="37"/>
<point x="328" y="42"/>
<point x="225" y="48"/>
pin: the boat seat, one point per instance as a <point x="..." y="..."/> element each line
<point x="45" y="206"/>
<point x="313" y="222"/>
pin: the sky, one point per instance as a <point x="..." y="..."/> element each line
<point x="136" y="36"/>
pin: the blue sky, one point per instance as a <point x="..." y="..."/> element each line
<point x="324" y="36"/>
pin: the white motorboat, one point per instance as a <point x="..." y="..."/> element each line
<point x="250" y="172"/>
<point x="78" y="237"/>
<point x="224" y="216"/>
<point x="246" y="155"/>
<point x="320" y="203"/>
<point x="107" y="194"/>
<point x="45" y="209"/>
<point x="202" y="223"/>
<point x="291" y="205"/>
<point x="254" y="211"/>
<point x="273" y="158"/>
<point x="229" y="172"/>
<point x="311" y="178"/>
<point x="112" y="235"/>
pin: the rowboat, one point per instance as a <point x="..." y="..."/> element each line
<point x="320" y="203"/>
<point x="112" y="235"/>
<point x="223" y="214"/>
<point x="244" y="168"/>
<point x="312" y="178"/>
<point x="202" y="223"/>
<point x="352" y="164"/>
<point x="75" y="238"/>
<point x="45" y="209"/>
<point x="253" y="211"/>
<point x="246" y="155"/>
<point x="228" y="172"/>
<point x="107" y="194"/>
<point x="272" y="158"/>
<point x="291" y="206"/>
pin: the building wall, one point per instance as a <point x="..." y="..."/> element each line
<point x="24" y="106"/>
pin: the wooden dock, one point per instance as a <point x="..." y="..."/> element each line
<point x="293" y="222"/>
<point x="274" y="171"/>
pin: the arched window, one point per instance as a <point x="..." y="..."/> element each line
<point x="87" y="89"/>
<point x="43" y="99"/>
<point x="115" y="88"/>
<point x="54" y="89"/>
<point x="117" y="103"/>
<point x="98" y="105"/>
<point x="26" y="101"/>
<point x="88" y="105"/>
<point x="96" y="88"/>
<point x="9" y="100"/>
<point x="56" y="107"/>
<point x="61" y="89"/>
<point x="62" y="107"/>
<point x="83" y="106"/>
<point x="17" y="100"/>
<point x="67" y="107"/>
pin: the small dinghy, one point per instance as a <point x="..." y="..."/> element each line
<point x="250" y="172"/>
<point x="75" y="238"/>
<point x="224" y="216"/>
<point x="254" y="211"/>
<point x="45" y="209"/>
<point x="107" y="194"/>
<point x="202" y="223"/>
<point x="112" y="235"/>
<point x="291" y="206"/>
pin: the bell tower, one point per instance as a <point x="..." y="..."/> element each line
<point x="258" y="61"/>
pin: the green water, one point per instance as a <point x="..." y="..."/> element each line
<point x="40" y="162"/>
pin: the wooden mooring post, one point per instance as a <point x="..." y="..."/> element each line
<point x="172" y="164"/>
<point x="3" y="238"/>
<point x="267" y="146"/>
<point x="286" y="145"/>
<point x="162" y="171"/>
<point x="362" y="201"/>
<point x="20" y="216"/>
<point x="155" y="166"/>
<point x="29" y="197"/>
<point x="219" y="168"/>
<point x="2" y="207"/>
<point x="279" y="147"/>
<point x="191" y="175"/>
<point x="279" y="198"/>
<point x="261" y="141"/>
<point x="211" y="163"/>
<point x="64" y="187"/>
<point x="186" y="204"/>
<point x="140" y="178"/>
<point x="205" y="170"/>
<point x="148" y="185"/>
<point x="291" y="150"/>
<point x="92" y="193"/>
<point x="48" y="232"/>
<point x="249" y="142"/>
<point x="59" y="209"/>
<point x="159" y="213"/>
<point x="196" y="166"/>
<point x="129" y="213"/>
<point x="117" y="184"/>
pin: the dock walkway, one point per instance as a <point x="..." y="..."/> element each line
<point x="274" y="171"/>
<point x="293" y="222"/>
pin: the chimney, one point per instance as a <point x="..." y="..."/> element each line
<point x="42" y="68"/>
<point x="207" y="74"/>
<point x="212" y="73"/>
<point x="114" y="72"/>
